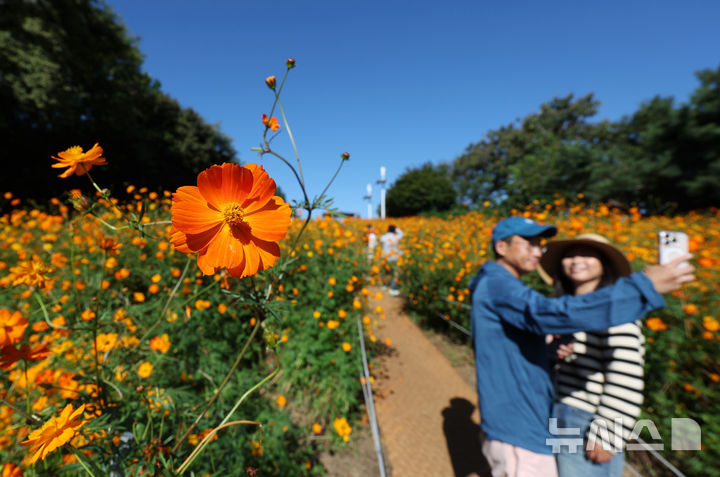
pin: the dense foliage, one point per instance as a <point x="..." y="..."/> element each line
<point x="165" y="338"/>
<point x="69" y="73"/>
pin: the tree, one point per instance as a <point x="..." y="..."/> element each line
<point x="549" y="153"/>
<point x="419" y="190"/>
<point x="71" y="75"/>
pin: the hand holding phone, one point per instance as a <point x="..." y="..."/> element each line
<point x="671" y="244"/>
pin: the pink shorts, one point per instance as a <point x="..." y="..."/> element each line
<point x="507" y="460"/>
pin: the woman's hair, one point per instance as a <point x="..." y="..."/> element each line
<point x="564" y="286"/>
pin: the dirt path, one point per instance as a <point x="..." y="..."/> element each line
<point x="425" y="400"/>
<point x="426" y="410"/>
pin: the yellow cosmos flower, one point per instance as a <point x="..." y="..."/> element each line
<point x="106" y="341"/>
<point x="342" y="428"/>
<point x="77" y="161"/>
<point x="145" y="370"/>
<point x="54" y="433"/>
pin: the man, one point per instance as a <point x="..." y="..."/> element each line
<point x="391" y="252"/>
<point x="509" y="323"/>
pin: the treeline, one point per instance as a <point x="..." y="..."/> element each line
<point x="70" y="74"/>
<point x="663" y="158"/>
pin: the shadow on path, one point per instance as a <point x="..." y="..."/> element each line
<point x="463" y="440"/>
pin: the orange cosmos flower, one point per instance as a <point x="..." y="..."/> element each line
<point x="232" y="219"/>
<point x="77" y="161"/>
<point x="656" y="324"/>
<point x="710" y="323"/>
<point x="31" y="273"/>
<point x="9" y="355"/>
<point x="54" y="433"/>
<point x="271" y="123"/>
<point x="111" y="245"/>
<point x="160" y="343"/>
<point x="11" y="470"/>
<point x="12" y="327"/>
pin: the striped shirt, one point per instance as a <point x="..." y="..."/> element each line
<point x="604" y="377"/>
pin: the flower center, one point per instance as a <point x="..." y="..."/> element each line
<point x="233" y="214"/>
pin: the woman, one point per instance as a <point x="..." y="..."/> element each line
<point x="600" y="385"/>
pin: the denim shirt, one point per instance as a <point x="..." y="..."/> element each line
<point x="509" y="322"/>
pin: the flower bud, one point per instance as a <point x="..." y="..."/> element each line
<point x="79" y="201"/>
<point x="290" y="63"/>
<point x="270" y="81"/>
<point x="345" y="156"/>
<point x="270" y="339"/>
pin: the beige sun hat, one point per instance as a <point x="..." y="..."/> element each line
<point x="555" y="250"/>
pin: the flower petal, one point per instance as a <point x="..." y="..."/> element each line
<point x="199" y="242"/>
<point x="272" y="221"/>
<point x="262" y="190"/>
<point x="224" y="249"/>
<point x="179" y="240"/>
<point x="220" y="185"/>
<point x="190" y="211"/>
<point x="269" y="253"/>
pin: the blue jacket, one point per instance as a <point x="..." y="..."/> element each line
<point x="509" y="322"/>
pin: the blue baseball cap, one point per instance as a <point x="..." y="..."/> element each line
<point x="521" y="226"/>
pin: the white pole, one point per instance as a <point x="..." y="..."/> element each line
<point x="382" y="203"/>
<point x="368" y="197"/>
<point x="382" y="191"/>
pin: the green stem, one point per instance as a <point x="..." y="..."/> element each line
<point x="277" y="98"/>
<point x="81" y="459"/>
<point x="27" y="389"/>
<point x="108" y="225"/>
<point x="104" y="195"/>
<point x="307" y="201"/>
<point x="219" y="390"/>
<point x="27" y="416"/>
<point x="342" y="161"/>
<point x="170" y="297"/>
<point x="210" y="435"/>
<point x="39" y="299"/>
<point x="292" y="140"/>
<point x="200" y="293"/>
<point x="204" y="443"/>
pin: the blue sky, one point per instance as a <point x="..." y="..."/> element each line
<point x="399" y="83"/>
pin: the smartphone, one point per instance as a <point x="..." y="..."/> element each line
<point x="671" y="243"/>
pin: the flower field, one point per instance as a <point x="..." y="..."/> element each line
<point x="114" y="343"/>
<point x="123" y="331"/>
<point x="683" y="340"/>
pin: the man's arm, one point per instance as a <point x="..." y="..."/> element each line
<point x="627" y="300"/>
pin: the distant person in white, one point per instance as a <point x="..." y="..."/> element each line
<point x="371" y="241"/>
<point x="391" y="252"/>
